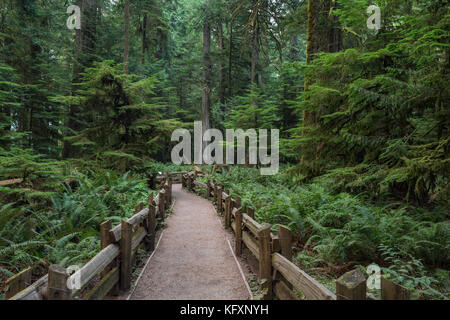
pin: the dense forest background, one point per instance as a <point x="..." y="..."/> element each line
<point x="87" y="115"/>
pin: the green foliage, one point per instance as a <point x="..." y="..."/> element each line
<point x="119" y="124"/>
<point x="382" y="107"/>
<point x="255" y="110"/>
<point x="67" y="232"/>
<point x="411" y="274"/>
<point x="342" y="228"/>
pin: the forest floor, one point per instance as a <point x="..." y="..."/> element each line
<point x="193" y="260"/>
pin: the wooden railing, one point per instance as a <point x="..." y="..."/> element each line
<point x="111" y="268"/>
<point x="279" y="276"/>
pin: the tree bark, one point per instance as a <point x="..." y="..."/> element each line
<point x="255" y="42"/>
<point x="144" y="38"/>
<point x="230" y="62"/>
<point x="84" y="49"/>
<point x="221" y="64"/>
<point x="206" y="96"/>
<point x="126" y="42"/>
<point x="294" y="54"/>
<point x="323" y="35"/>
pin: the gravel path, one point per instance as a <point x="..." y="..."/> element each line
<point x="193" y="260"/>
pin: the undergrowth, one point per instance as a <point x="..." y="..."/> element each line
<point x="337" y="231"/>
<point x="66" y="232"/>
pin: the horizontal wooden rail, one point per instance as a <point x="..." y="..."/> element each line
<point x="18" y="283"/>
<point x="116" y="232"/>
<point x="137" y="239"/>
<point x="138" y="218"/>
<point x="102" y="288"/>
<point x="283" y="292"/>
<point x="251" y="243"/>
<point x="200" y="184"/>
<point x="233" y="212"/>
<point x="33" y="291"/>
<point x="251" y="224"/>
<point x="94" y="266"/>
<point x="301" y="281"/>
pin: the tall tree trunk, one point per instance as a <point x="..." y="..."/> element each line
<point x="84" y="49"/>
<point x="311" y="50"/>
<point x="126" y="43"/>
<point x="323" y="35"/>
<point x="161" y="38"/>
<point x="144" y="38"/>
<point x="230" y="61"/>
<point x="222" y="80"/>
<point x="206" y="96"/>
<point x="255" y="42"/>
<point x="221" y="64"/>
<point x="294" y="54"/>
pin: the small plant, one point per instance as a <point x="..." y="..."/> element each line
<point x="410" y="272"/>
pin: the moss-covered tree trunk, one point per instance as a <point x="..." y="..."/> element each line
<point x="85" y="39"/>
<point x="230" y="60"/>
<point x="144" y="37"/>
<point x="126" y="43"/>
<point x="206" y="94"/>
<point x="323" y="35"/>
<point x="255" y="42"/>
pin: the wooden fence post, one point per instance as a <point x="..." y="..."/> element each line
<point x="166" y="177"/>
<point x="393" y="291"/>
<point x="183" y="183"/>
<point x="125" y="256"/>
<point x="215" y="192"/>
<point x="222" y="205"/>
<point x="228" y="211"/>
<point x="161" y="205"/>
<point x="189" y="178"/>
<point x="238" y="235"/>
<point x="265" y="261"/>
<point x="57" y="288"/>
<point x="167" y="195"/>
<point x="193" y="178"/>
<point x="285" y="237"/>
<point x="351" y="286"/>
<point x="17" y="283"/>
<point x="150" y="200"/>
<point x="151" y="228"/>
<point x="251" y="212"/>
<point x="208" y="189"/>
<point x="238" y="202"/>
<point x="139" y="208"/>
<point x="219" y="200"/>
<point x="169" y="188"/>
<point x="105" y="240"/>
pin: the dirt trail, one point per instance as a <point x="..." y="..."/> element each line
<point x="193" y="260"/>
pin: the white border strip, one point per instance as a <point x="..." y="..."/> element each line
<point x="241" y="271"/>
<point x="145" y="267"/>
